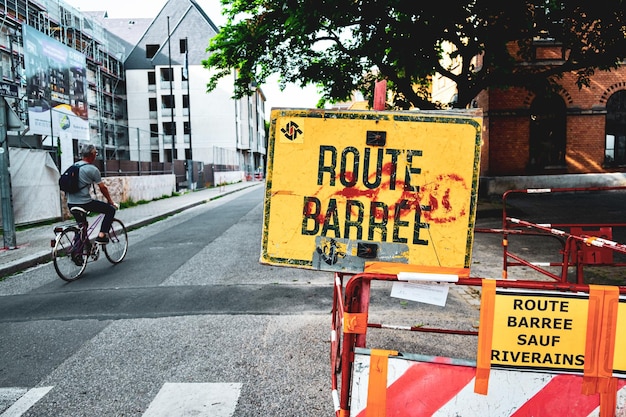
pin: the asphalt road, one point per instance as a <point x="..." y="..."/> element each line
<point x="191" y="307"/>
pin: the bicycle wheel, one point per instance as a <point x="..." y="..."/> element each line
<point x="117" y="247"/>
<point x="68" y="261"/>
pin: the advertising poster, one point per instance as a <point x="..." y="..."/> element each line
<point x="56" y="87"/>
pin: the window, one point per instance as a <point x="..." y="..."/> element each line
<point x="154" y="130"/>
<point x="151" y="50"/>
<point x="184" y="50"/>
<point x="185" y="101"/>
<point x="168" y="102"/>
<point x="615" y="130"/>
<point x="167" y="74"/>
<point x="151" y="78"/>
<point x="187" y="127"/>
<point x="168" y="154"/>
<point x="169" y="128"/>
<point x="152" y="104"/>
<point x="547" y="133"/>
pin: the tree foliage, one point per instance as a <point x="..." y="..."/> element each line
<point x="344" y="46"/>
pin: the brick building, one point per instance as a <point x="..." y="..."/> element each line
<point x="577" y="131"/>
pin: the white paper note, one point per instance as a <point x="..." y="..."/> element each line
<point x="422" y="293"/>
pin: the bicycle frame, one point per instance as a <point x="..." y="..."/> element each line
<point x="87" y="229"/>
<point x="74" y="241"/>
<point x="91" y="227"/>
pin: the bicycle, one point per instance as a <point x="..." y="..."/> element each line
<point x="73" y="248"/>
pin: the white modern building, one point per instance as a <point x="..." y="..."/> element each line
<point x="169" y="109"/>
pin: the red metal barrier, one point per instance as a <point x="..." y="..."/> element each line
<point x="584" y="244"/>
<point x="350" y="321"/>
<point x="573" y="252"/>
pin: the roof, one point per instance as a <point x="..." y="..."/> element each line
<point x="186" y="20"/>
<point x="128" y="30"/>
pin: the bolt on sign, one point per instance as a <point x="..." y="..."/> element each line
<point x="349" y="187"/>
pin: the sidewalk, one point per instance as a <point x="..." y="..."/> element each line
<point x="33" y="244"/>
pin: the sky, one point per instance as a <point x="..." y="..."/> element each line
<point x="291" y="97"/>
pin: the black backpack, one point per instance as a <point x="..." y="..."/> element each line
<point x="69" y="179"/>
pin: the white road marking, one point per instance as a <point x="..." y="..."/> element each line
<point x="194" y="399"/>
<point x="10" y="395"/>
<point x="25" y="402"/>
<point x="174" y="399"/>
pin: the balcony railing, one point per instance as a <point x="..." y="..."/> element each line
<point x="166" y="85"/>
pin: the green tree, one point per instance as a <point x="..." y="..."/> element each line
<point x="344" y="46"/>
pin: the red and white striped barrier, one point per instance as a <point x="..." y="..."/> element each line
<point x="588" y="240"/>
<point x="441" y="388"/>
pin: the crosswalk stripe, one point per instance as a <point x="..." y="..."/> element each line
<point x="25" y="402"/>
<point x="10" y="395"/>
<point x="197" y="399"/>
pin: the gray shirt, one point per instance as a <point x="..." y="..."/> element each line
<point x="88" y="175"/>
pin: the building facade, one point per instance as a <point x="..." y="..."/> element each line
<point x="574" y="131"/>
<point x="95" y="91"/>
<point x="140" y="94"/>
<point x="170" y="113"/>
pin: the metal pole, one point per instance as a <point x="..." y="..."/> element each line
<point x="189" y="106"/>
<point x="139" y="151"/>
<point x="100" y="106"/>
<point x="51" y="128"/>
<point x="8" y="221"/>
<point x="188" y="98"/>
<point x="169" y="53"/>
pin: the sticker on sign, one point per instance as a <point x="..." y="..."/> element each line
<point x="345" y="188"/>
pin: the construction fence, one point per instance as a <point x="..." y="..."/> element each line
<point x="189" y="174"/>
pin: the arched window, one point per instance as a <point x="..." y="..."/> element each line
<point x="615" y="143"/>
<point x="547" y="133"/>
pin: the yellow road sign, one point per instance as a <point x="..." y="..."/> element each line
<point x="541" y="331"/>
<point x="349" y="187"/>
<point x="558" y="332"/>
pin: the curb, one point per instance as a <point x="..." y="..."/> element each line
<point x="24" y="263"/>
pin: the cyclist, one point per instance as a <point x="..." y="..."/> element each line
<point x="88" y="175"/>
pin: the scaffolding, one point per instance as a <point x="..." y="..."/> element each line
<point x="104" y="54"/>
